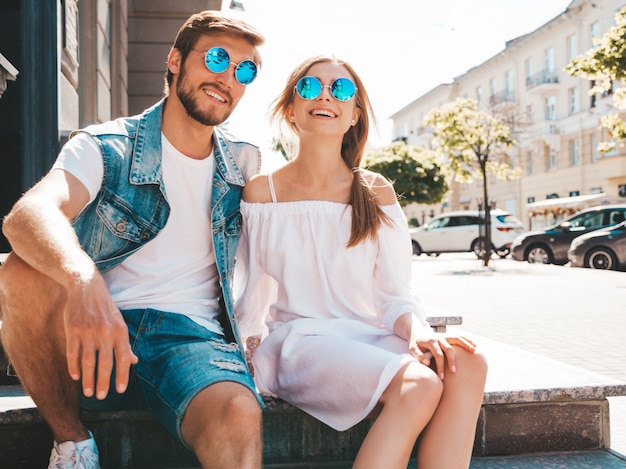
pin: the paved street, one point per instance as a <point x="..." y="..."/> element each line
<point x="576" y="316"/>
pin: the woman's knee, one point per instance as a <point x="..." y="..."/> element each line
<point x="414" y="384"/>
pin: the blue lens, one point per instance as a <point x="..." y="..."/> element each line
<point x="309" y="87"/>
<point x="217" y="60"/>
<point x="246" y="71"/>
<point x="343" y="89"/>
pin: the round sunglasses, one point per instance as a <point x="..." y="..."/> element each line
<point x="217" y="60"/>
<point x="342" y="89"/>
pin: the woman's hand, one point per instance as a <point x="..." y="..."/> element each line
<point x="425" y="344"/>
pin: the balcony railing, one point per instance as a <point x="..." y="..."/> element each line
<point x="541" y="78"/>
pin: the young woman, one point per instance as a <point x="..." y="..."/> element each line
<point x="327" y="281"/>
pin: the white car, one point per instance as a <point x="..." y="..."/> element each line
<point x="464" y="231"/>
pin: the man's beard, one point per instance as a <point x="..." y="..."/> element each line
<point x="185" y="95"/>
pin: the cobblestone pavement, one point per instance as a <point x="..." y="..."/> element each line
<point x="574" y="315"/>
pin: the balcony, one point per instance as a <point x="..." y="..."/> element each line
<point x="545" y="82"/>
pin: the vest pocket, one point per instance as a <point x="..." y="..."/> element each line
<point x="122" y="223"/>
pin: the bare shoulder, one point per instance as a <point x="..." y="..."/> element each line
<point x="385" y="193"/>
<point x="257" y="190"/>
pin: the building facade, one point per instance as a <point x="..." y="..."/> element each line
<point x="80" y="62"/>
<point x="557" y="121"/>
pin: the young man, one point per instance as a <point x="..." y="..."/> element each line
<point x="123" y="257"/>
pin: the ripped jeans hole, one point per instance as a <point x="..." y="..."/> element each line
<point x="224" y="347"/>
<point x="230" y="365"/>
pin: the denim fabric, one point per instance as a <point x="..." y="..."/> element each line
<point x="131" y="207"/>
<point x="179" y="358"/>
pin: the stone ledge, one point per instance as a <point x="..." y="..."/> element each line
<point x="531" y="404"/>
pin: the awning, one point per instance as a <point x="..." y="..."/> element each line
<point x="576" y="202"/>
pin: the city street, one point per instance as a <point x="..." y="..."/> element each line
<point x="576" y="316"/>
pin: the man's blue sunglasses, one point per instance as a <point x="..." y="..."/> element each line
<point x="217" y="60"/>
<point x="342" y="89"/>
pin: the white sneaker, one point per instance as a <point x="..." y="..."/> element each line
<point x="72" y="455"/>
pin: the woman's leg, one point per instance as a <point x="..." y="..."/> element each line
<point x="408" y="404"/>
<point x="448" y="439"/>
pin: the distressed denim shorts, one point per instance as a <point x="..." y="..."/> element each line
<point x="178" y="358"/>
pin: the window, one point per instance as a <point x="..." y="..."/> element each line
<point x="595" y="153"/>
<point x="509" y="81"/>
<point x="594" y="32"/>
<point x="551" y="108"/>
<point x="528" y="66"/>
<point x="479" y="94"/>
<point x="573" y="100"/>
<point x="531" y="162"/>
<point x="548" y="60"/>
<point x="574" y="193"/>
<point x="574" y="152"/>
<point x="552" y="159"/>
<point x="492" y="87"/>
<point x="572" y="46"/>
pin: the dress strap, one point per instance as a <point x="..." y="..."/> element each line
<point x="270" y="181"/>
<point x="373" y="180"/>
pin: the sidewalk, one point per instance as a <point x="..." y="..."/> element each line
<point x="575" y="316"/>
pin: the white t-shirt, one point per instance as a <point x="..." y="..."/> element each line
<point x="176" y="271"/>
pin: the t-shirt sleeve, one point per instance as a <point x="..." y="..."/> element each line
<point x="81" y="157"/>
<point x="393" y="289"/>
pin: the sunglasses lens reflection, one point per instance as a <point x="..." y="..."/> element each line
<point x="343" y="89"/>
<point x="246" y="72"/>
<point x="217" y="60"/>
<point x="309" y="87"/>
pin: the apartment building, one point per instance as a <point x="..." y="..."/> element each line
<point x="557" y="130"/>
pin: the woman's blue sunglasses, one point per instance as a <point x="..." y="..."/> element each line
<point x="342" y="89"/>
<point x="217" y="60"/>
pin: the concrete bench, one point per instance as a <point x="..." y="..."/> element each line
<point x="532" y="404"/>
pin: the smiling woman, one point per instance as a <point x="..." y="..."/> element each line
<point x="347" y="336"/>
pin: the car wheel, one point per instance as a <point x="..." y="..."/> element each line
<point x="478" y="247"/>
<point x="538" y="254"/>
<point x="416" y="248"/>
<point x="602" y="259"/>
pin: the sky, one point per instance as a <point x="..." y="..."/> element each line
<point x="401" y="49"/>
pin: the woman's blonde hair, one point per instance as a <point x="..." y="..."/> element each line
<point x="367" y="215"/>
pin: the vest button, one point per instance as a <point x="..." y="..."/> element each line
<point x="121" y="226"/>
<point x="145" y="236"/>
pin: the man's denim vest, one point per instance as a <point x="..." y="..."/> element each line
<point x="131" y="206"/>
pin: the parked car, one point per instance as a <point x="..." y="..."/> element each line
<point x="602" y="249"/>
<point x="461" y="231"/>
<point x="550" y="245"/>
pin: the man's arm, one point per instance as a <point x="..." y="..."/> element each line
<point x="39" y="230"/>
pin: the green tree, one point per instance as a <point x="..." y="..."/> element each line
<point x="604" y="64"/>
<point x="473" y="143"/>
<point x="415" y="173"/>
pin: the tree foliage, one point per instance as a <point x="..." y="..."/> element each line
<point x="473" y="143"/>
<point x="416" y="174"/>
<point x="604" y="64"/>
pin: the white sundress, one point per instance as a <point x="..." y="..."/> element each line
<point x="329" y="310"/>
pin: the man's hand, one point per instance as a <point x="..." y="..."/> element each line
<point x="96" y="334"/>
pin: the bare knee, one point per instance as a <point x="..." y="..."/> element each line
<point x="414" y="386"/>
<point x="471" y="367"/>
<point x="27" y="295"/>
<point x="230" y="415"/>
